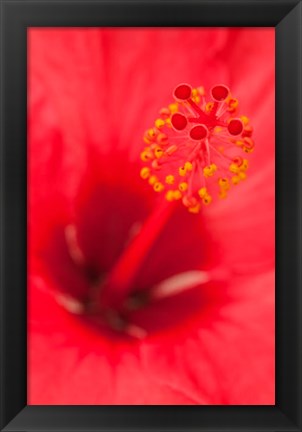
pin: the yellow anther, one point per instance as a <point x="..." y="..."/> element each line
<point x="248" y="149"/>
<point x="146" y="155"/>
<point x="194" y="209"/>
<point x="194" y="92"/>
<point x="145" y="173"/>
<point x="188" y="166"/>
<point x="183" y="186"/>
<point x="245" y="120"/>
<point x="235" y="180"/>
<point x="222" y="194"/>
<point x="152" y="180"/>
<point x="242" y="175"/>
<point x="248" y="145"/>
<point x="168" y="122"/>
<point x="173" y="108"/>
<point x="202" y="192"/>
<point x="209" y="106"/>
<point x="159" y="123"/>
<point x="164" y="112"/>
<point x="234" y="168"/>
<point x="170" y="179"/>
<point x="177" y="194"/>
<point x="245" y="164"/>
<point x="182" y="171"/>
<point x="158" y="152"/>
<point x="207" y="199"/>
<point x="233" y="104"/>
<point x="162" y="139"/>
<point x="149" y="136"/>
<point x="196" y="99"/>
<point x="158" y="187"/>
<point x="224" y="183"/>
<point x="170" y="196"/>
<point x="209" y="170"/>
<point x="151" y="133"/>
<point x="239" y="143"/>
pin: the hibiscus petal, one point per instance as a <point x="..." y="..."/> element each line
<point x="225" y="360"/>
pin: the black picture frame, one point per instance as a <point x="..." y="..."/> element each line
<point x="16" y="17"/>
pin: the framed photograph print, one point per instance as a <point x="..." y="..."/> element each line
<point x="150" y="215"/>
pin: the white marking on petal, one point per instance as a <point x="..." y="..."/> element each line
<point x="179" y="283"/>
<point x="135" y="331"/>
<point x="73" y="246"/>
<point x="70" y="304"/>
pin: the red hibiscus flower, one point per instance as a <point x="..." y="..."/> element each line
<point x="133" y="299"/>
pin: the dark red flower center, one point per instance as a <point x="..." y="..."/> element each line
<point x="113" y="265"/>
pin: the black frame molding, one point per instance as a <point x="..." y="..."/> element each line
<point x="286" y="17"/>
